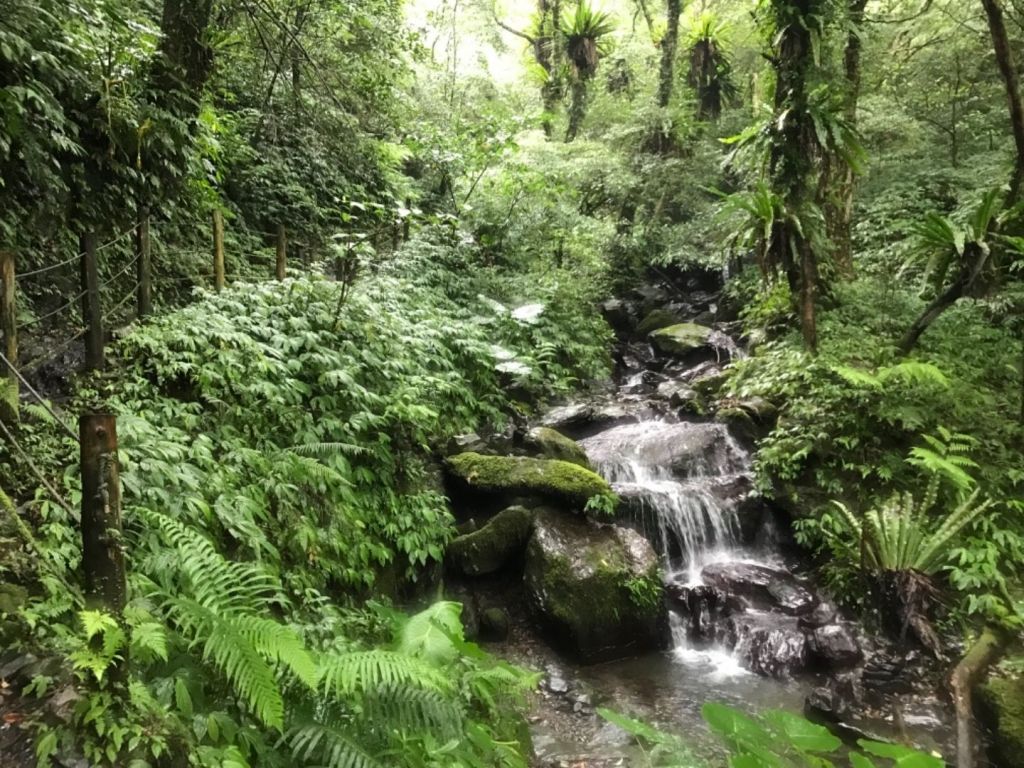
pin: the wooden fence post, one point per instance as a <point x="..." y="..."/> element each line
<point x="218" y="250"/>
<point x="92" y="312"/>
<point x="9" y="327"/>
<point x="282" y="252"/>
<point x="102" y="540"/>
<point x="144" y="267"/>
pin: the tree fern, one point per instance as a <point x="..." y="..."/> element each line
<point x="328" y="746"/>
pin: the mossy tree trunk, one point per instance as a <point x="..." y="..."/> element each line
<point x="793" y="155"/>
<point x="669" y="45"/>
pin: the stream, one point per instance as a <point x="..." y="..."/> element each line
<point x="747" y="626"/>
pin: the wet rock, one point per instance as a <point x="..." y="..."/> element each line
<point x="554" y="445"/>
<point x="596" y="588"/>
<point x="657" y="319"/>
<point x="493" y="546"/>
<point x="683" y="448"/>
<point x="762" y="584"/>
<point x="572" y="415"/>
<point x="513" y="476"/>
<point x="703" y="609"/>
<point x="823" y="613"/>
<point x="494" y="625"/>
<point x="773" y="652"/>
<point x="837" y="700"/>
<point x="556" y="680"/>
<point x="682" y="339"/>
<point x="678" y="394"/>
<point x="835" y="646"/>
<point x="471" y="441"/>
<point x="620" y="315"/>
<point x="792" y="598"/>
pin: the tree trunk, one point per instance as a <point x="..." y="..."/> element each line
<point x="975" y="259"/>
<point x="985" y="652"/>
<point x="577" y="109"/>
<point x="841" y="218"/>
<point x="184" y="60"/>
<point x="1011" y="79"/>
<point x="669" y="43"/>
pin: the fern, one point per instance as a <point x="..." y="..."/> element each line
<point x="364" y="671"/>
<point x="896" y="537"/>
<point x="224" y="616"/>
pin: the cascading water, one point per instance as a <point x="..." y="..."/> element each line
<point x="683" y="478"/>
<point x="683" y="482"/>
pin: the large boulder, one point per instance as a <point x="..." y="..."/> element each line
<point x="682" y="339"/>
<point x="493" y="546"/>
<point x="554" y="445"/>
<point x="657" y="319"/>
<point x="596" y="588"/>
<point x="1001" y="701"/>
<point x="516" y="476"/>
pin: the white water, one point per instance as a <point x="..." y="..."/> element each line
<point x="684" y="478"/>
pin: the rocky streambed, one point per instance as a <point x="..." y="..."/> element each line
<point x="686" y="589"/>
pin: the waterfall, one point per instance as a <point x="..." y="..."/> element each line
<point x="681" y="482"/>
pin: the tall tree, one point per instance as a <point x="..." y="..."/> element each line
<point x="585" y="37"/>
<point x="1011" y="79"/>
<point x="798" y="26"/>
<point x="975" y="257"/>
<point x="840" y="217"/>
<point x="669" y="45"/>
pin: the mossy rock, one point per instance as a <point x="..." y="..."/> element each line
<point x="1001" y="700"/>
<point x="554" y="445"/>
<point x="493" y="546"/>
<point x="655" y="320"/>
<point x="596" y="588"/>
<point x="519" y="476"/>
<point x="681" y="339"/>
<point x="12" y="598"/>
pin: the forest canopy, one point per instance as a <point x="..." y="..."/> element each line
<point x="306" y="252"/>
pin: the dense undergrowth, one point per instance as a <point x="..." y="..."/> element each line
<point x="291" y="427"/>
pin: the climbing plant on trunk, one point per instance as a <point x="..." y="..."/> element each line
<point x="669" y="44"/>
<point x="586" y="41"/>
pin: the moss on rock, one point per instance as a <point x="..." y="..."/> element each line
<point x="518" y="476"/>
<point x="597" y="588"/>
<point x="554" y="445"/>
<point x="1002" y="701"/>
<point x="493" y="546"/>
<point x="681" y="339"/>
<point x="655" y="320"/>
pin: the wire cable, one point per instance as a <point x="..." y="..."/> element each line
<point x="112" y="278"/>
<point x="38" y="397"/>
<point x="36" y="471"/>
<point x="50" y="314"/>
<point x="130" y="295"/>
<point x="52" y="355"/>
<point x="51" y="267"/>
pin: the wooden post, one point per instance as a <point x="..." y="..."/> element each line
<point x="218" y="250"/>
<point x="9" y="327"/>
<point x="282" y="252"/>
<point x="144" y="267"/>
<point x="92" y="312"/>
<point x="102" y="540"/>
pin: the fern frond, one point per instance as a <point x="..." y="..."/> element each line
<point x="345" y="674"/>
<point x="328" y="746"/>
